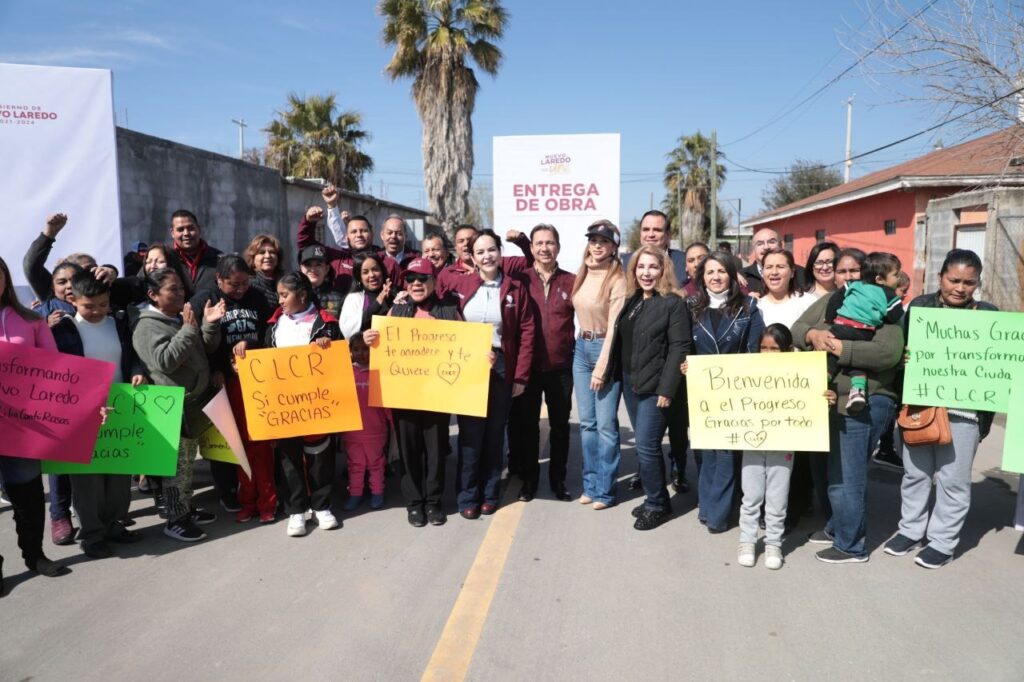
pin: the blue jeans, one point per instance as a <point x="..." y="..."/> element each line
<point x="482" y="448"/>
<point x="60" y="496"/>
<point x="716" y="485"/>
<point x="848" y="472"/>
<point x="599" y="424"/>
<point x="649" y="423"/>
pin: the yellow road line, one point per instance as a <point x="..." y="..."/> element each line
<point x="455" y="648"/>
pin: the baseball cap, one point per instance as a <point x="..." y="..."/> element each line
<point x="421" y="266"/>
<point x="602" y="230"/>
<point x="314" y="252"/>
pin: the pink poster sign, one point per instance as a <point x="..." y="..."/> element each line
<point x="50" y="403"/>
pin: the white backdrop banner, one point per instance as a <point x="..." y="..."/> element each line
<point x="566" y="180"/>
<point x="58" y="154"/>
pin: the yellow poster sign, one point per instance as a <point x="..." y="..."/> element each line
<point x="214" y="446"/>
<point x="432" y="365"/>
<point x="765" y="401"/>
<point x="299" y="391"/>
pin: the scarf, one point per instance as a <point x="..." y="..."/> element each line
<point x="193" y="264"/>
<point x="716" y="301"/>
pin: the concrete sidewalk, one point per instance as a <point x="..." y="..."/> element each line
<point x="582" y="595"/>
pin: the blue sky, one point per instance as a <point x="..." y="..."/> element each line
<point x="651" y="71"/>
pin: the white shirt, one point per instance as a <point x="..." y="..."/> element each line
<point x="784" y="312"/>
<point x="101" y="342"/>
<point x="485" y="306"/>
<point x="294" y="330"/>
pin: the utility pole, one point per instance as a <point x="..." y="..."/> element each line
<point x="242" y="125"/>
<point x="679" y="202"/>
<point x="849" y="138"/>
<point x="714" y="189"/>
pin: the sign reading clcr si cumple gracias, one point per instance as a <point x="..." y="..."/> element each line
<point x="299" y="391"/>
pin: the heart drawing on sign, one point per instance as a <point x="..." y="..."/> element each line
<point x="165" y="403"/>
<point x="449" y="372"/>
<point x="755" y="439"/>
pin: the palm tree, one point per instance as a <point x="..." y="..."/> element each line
<point x="688" y="182"/>
<point x="309" y="139"/>
<point x="433" y="41"/>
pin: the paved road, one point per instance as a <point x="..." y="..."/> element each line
<point x="579" y="595"/>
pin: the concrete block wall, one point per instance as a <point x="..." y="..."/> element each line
<point x="233" y="199"/>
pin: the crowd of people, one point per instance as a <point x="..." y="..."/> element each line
<point x="183" y="313"/>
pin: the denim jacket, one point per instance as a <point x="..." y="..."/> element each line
<point x="740" y="333"/>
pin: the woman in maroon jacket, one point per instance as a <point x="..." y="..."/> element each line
<point x="493" y="297"/>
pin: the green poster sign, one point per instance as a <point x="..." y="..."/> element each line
<point x="963" y="358"/>
<point x="1013" y="441"/>
<point x="140" y="436"/>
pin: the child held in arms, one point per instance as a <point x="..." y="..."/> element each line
<point x="858" y="310"/>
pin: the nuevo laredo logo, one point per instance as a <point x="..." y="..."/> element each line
<point x="556" y="164"/>
<point x="24" y="114"/>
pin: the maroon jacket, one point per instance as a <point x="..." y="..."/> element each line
<point x="410" y="256"/>
<point x="510" y="265"/>
<point x="340" y="260"/>
<point x="553" y="347"/>
<point x="517" y="323"/>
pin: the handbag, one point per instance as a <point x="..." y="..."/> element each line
<point x="924" y="425"/>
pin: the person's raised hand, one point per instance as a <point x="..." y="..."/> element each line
<point x="54" y="224"/>
<point x="384" y="291"/>
<point x="330" y="195"/>
<point x="512" y="235"/>
<point x="105" y="274"/>
<point x="214" y="313"/>
<point x="188" y="316"/>
<point x="314" y="214"/>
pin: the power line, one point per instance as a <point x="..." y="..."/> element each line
<point x="894" y="142"/>
<point x="836" y="78"/>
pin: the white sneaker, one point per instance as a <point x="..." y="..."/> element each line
<point x="296" y="525"/>
<point x="325" y="519"/>
<point x="745" y="555"/>
<point x="773" y="557"/>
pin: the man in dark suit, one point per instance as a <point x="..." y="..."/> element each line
<point x="764" y="240"/>
<point x="656" y="230"/>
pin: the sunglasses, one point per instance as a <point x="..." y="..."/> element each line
<point x="415" y="277"/>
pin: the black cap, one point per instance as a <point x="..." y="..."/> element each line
<point x="603" y="231"/>
<point x="314" y="252"/>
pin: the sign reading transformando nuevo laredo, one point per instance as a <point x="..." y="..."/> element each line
<point x="57" y="123"/>
<point x="568" y="181"/>
<point x="763" y="401"/>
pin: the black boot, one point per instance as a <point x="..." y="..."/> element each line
<point x="29" y="521"/>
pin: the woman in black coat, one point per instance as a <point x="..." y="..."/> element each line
<point x="652" y="337"/>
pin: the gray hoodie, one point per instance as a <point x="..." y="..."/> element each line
<point x="175" y="355"/>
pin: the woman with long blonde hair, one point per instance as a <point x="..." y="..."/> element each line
<point x="598" y="296"/>
<point x="652" y="338"/>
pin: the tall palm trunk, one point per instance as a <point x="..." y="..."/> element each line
<point x="445" y="96"/>
<point x="691" y="226"/>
